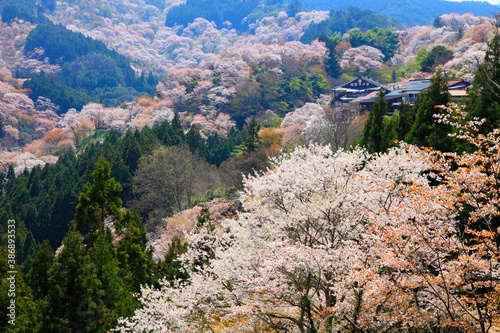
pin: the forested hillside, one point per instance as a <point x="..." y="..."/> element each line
<point x="421" y="12"/>
<point x="29" y="10"/>
<point x="89" y="70"/>
<point x="219" y="12"/>
<point x="341" y="21"/>
<point x="185" y="167"/>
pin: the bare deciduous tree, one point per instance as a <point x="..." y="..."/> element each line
<point x="169" y="178"/>
<point x="333" y="126"/>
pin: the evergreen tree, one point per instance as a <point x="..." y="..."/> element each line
<point x="115" y="296"/>
<point x="406" y="118"/>
<point x="196" y="143"/>
<point x="483" y="96"/>
<point x="332" y="63"/>
<point x="373" y="130"/>
<point x="75" y="296"/>
<point x="27" y="312"/>
<point x="389" y="133"/>
<point x="98" y="201"/>
<point x="252" y="139"/>
<point x="176" y="131"/>
<point x="38" y="277"/>
<point x="132" y="254"/>
<point x="294" y="7"/>
<point x="426" y="131"/>
<point x="133" y="155"/>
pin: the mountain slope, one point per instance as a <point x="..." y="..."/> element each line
<point x="411" y="12"/>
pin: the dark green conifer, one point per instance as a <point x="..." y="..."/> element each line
<point x="38" y="277"/>
<point x="425" y="130"/>
<point x="484" y="101"/>
<point x="252" y="139"/>
<point x="373" y="131"/>
<point x="98" y="201"/>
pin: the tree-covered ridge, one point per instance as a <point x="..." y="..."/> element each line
<point x="44" y="199"/>
<point x="91" y="280"/>
<point x="220" y="11"/>
<point x="62" y="95"/>
<point x="98" y="269"/>
<point x="344" y="20"/>
<point x="29" y="10"/>
<point x="412" y="12"/>
<point x="87" y="65"/>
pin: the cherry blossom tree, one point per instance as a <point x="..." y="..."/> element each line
<point x="364" y="57"/>
<point x="348" y="241"/>
<point x="294" y="260"/>
<point x="440" y="244"/>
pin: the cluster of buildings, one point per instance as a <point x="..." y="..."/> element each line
<point x="364" y="91"/>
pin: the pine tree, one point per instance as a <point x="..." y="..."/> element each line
<point x="27" y="312"/>
<point x="373" y="131"/>
<point x="98" y="201"/>
<point x="426" y="131"/>
<point x="75" y="297"/>
<point x="252" y="139"/>
<point x="38" y="277"/>
<point x="483" y="96"/>
<point x="406" y="118"/>
<point x="332" y="65"/>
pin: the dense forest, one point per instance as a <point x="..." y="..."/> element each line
<point x="29" y="10"/>
<point x="88" y="66"/>
<point x="341" y="21"/>
<point x="45" y="199"/>
<point x="347" y="220"/>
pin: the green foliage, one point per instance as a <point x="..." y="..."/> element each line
<point x="196" y="143"/>
<point x="132" y="254"/>
<point x="439" y="55"/>
<point x="379" y="131"/>
<point x="272" y="121"/>
<point x="483" y="97"/>
<point x="386" y="40"/>
<point x="170" y="267"/>
<point x="28" y="10"/>
<point x="425" y="131"/>
<point x="27" y="313"/>
<point x="251" y="140"/>
<point x="341" y="21"/>
<point x="261" y="12"/>
<point x="332" y="59"/>
<point x="299" y="84"/>
<point x="40" y="85"/>
<point x="75" y="298"/>
<point x="98" y="201"/>
<point x="38" y="277"/>
<point x="406" y="118"/>
<point x="219" y="148"/>
<point x="89" y="70"/>
<point x="43" y="202"/>
<point x="293" y="8"/>
<point x="91" y="282"/>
